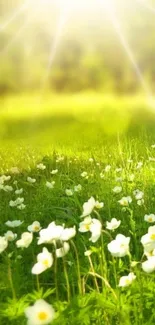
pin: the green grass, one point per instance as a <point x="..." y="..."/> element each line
<point x="111" y="135"/>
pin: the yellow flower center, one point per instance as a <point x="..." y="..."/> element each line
<point x="152" y="237"/>
<point x="87" y="226"/>
<point x="127" y="281"/>
<point x="42" y="315"/>
<point x="46" y="262"/>
<point x="36" y="228"/>
<point x="150" y="219"/>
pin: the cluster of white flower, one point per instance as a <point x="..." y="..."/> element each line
<point x="139" y="196"/>
<point x="70" y="192"/>
<point x="18" y="203"/>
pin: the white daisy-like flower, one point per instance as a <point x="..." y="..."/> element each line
<point x="125" y="281"/>
<point x="21" y="206"/>
<point x="125" y="201"/>
<point x="149" y="218"/>
<point x="44" y="262"/>
<point x="69" y="192"/>
<point x="19" y="191"/>
<point x="10" y="236"/>
<point x="77" y="188"/>
<point x="120" y="246"/>
<point x="113" y="224"/>
<point x="107" y="168"/>
<point x="3" y="244"/>
<point x="31" y="180"/>
<point x="41" y="166"/>
<point x="149" y="265"/>
<point x="62" y="251"/>
<point x="35" y="227"/>
<point x="117" y="189"/>
<point x="14" y="223"/>
<point x="50" y="185"/>
<point x="54" y="171"/>
<point x="84" y="175"/>
<point x="41" y="313"/>
<point x="25" y="241"/>
<point x="92" y="225"/>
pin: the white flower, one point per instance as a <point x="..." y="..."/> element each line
<point x="149" y="265"/>
<point x="17" y="202"/>
<point x="151" y="159"/>
<point x="91" y="160"/>
<point x="50" y="234"/>
<point x="138" y="194"/>
<point x="69" y="192"/>
<point x="35" y="227"/>
<point x="88" y="253"/>
<point x="14" y="223"/>
<point x="41" y="313"/>
<point x="78" y="188"/>
<point x="21" y="206"/>
<point x="113" y="224"/>
<point x="140" y="202"/>
<point x="107" y="168"/>
<point x="92" y="225"/>
<point x="44" y="262"/>
<point x="25" y="241"/>
<point x="95" y="229"/>
<point x="89" y="206"/>
<point x="99" y="205"/>
<point x="149" y="218"/>
<point x="120" y="246"/>
<point x="68" y="233"/>
<point x="127" y="280"/>
<point x="125" y="201"/>
<point x="84" y="226"/>
<point x="8" y="188"/>
<point x="84" y="175"/>
<point x="50" y="184"/>
<point x="10" y="236"/>
<point x="31" y="180"/>
<point x="3" y="244"/>
<point x="60" y="252"/>
<point x="54" y="171"/>
<point x="18" y="192"/>
<point x="4" y="178"/>
<point x="117" y="189"/>
<point x="41" y="166"/>
<point x="153" y="146"/>
<point x="148" y="240"/>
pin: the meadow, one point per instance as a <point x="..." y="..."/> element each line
<point x="77" y="210"/>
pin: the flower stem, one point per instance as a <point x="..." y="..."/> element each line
<point x="11" y="280"/>
<point x="67" y="279"/>
<point x="78" y="268"/>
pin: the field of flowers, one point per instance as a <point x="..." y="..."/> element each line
<point x="77" y="237"/>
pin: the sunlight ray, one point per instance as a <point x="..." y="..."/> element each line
<point x="18" y="34"/>
<point x="15" y="15"/>
<point x="110" y="9"/>
<point x="55" y="43"/>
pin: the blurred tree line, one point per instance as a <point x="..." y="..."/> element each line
<point x="87" y="55"/>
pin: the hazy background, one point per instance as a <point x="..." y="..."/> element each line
<point x="75" y="75"/>
<point x="88" y="54"/>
